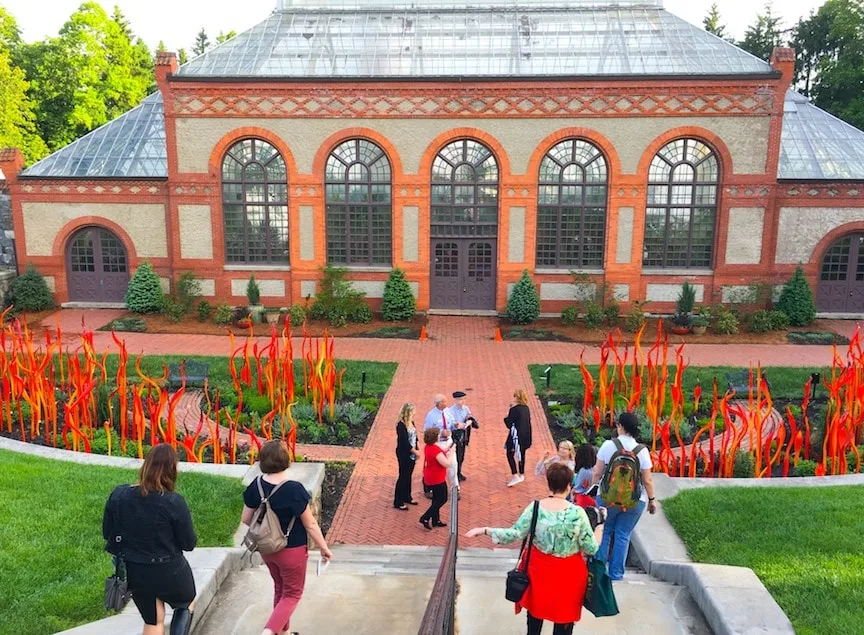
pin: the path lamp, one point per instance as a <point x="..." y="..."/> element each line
<point x="548" y="374"/>
<point x="363" y="384"/>
<point x="815" y="378"/>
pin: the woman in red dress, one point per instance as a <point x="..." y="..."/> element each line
<point x="435" y="476"/>
<point x="557" y="572"/>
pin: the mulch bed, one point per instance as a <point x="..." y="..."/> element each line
<point x="336" y="477"/>
<point x="551" y="330"/>
<point x="377" y="328"/>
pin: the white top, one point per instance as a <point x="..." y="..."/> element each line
<point x="608" y="449"/>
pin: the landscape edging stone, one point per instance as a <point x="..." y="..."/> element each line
<point x="733" y="599"/>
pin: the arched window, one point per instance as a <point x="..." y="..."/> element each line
<point x="359" y="211"/>
<point x="571" y="210"/>
<point x="682" y="206"/>
<point x="255" y="203"/>
<point x="464" y="191"/>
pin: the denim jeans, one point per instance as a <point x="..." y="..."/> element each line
<point x="619" y="525"/>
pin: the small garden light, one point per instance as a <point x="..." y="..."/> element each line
<point x="363" y="384"/>
<point x="548" y="374"/>
<point x="815" y="378"/>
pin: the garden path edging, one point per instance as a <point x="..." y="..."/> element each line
<point x="733" y="599"/>
<point x="210" y="565"/>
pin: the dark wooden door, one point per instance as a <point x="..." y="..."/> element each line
<point x="463" y="274"/>
<point x="97" y="268"/>
<point x="841" y="277"/>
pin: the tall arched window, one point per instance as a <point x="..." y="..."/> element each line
<point x="359" y="211"/>
<point x="682" y="206"/>
<point x="571" y="210"/>
<point x="255" y="203"/>
<point x="464" y="191"/>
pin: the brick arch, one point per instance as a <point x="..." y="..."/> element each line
<point x="61" y="240"/>
<point x="717" y="144"/>
<point x="456" y="134"/>
<point x="830" y="238"/>
<point x="606" y="147"/>
<point x="369" y="134"/>
<point x="251" y="132"/>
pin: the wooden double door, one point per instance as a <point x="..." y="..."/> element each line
<point x="97" y="268"/>
<point x="463" y="274"/>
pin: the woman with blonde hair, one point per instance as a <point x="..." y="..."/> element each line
<point x="518" y="421"/>
<point x="407" y="451"/>
<point x="148" y="527"/>
<point x="566" y="454"/>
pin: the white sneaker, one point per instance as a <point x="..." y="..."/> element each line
<point x="515" y="481"/>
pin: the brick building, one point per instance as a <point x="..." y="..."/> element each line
<point x="462" y="145"/>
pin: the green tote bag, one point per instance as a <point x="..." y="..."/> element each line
<point x="599" y="596"/>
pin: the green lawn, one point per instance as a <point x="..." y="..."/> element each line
<point x="805" y="544"/>
<point x="786" y="383"/>
<point x="52" y="560"/>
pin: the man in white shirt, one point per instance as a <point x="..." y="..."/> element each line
<point x="441" y="417"/>
<point x="462" y="432"/>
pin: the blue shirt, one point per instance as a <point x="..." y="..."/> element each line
<point x="459" y="413"/>
<point x="435" y="419"/>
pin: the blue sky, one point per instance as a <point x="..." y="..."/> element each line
<point x="150" y="18"/>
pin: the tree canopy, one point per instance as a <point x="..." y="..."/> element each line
<point x="712" y="24"/>
<point x="763" y="36"/>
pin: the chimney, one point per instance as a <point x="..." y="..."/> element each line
<point x="783" y="60"/>
<point x="11" y="163"/>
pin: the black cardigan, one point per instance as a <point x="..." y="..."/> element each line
<point x="403" y="442"/>
<point x="520" y="417"/>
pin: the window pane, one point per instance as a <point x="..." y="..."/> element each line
<point x="464" y="191"/>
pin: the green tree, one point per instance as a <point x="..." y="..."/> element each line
<point x="762" y="37"/>
<point x="224" y="37"/>
<point x="182" y="56"/>
<point x="523" y="307"/>
<point x="202" y="43"/>
<point x="796" y="300"/>
<point x="92" y="72"/>
<point x="399" y="303"/>
<point x="711" y="22"/>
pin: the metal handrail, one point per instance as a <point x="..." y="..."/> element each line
<point x="440" y="615"/>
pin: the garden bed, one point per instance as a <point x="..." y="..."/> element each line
<point x="803" y="543"/>
<point x="189" y="325"/>
<point x="53" y="559"/>
<point x="336" y="477"/>
<point x="551" y="330"/>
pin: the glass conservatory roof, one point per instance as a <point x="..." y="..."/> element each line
<point x="817" y="145"/>
<point x="133" y="145"/>
<point x="389" y="39"/>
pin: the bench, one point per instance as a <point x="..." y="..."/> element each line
<point x="196" y="374"/>
<point x="739" y="381"/>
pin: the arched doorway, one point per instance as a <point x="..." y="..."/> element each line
<point x="97" y="269"/>
<point x="841" y="276"/>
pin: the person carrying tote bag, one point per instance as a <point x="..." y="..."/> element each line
<point x="555" y="558"/>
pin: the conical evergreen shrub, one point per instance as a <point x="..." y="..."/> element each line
<point x="144" y="294"/>
<point x="523" y="307"/>
<point x="30" y="291"/>
<point x="399" y="304"/>
<point x="796" y="300"/>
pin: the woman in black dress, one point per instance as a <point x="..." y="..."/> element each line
<point x="518" y="421"/>
<point x="407" y="452"/>
<point x="148" y="525"/>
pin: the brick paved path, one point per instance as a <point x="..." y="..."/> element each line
<point x="460" y="355"/>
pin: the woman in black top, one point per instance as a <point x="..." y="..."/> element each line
<point x="407" y="451"/>
<point x="518" y="420"/>
<point x="291" y="503"/>
<point x="148" y="525"/>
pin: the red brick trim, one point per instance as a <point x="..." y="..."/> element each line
<point x="692" y="132"/>
<point x="454" y="134"/>
<point x="58" y="248"/>
<point x="831" y="237"/>
<point x="330" y="143"/>
<point x="605" y="145"/>
<point x="250" y="132"/>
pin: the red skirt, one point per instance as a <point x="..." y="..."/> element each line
<point x="556" y="587"/>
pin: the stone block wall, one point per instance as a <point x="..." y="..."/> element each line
<point x="7" y="234"/>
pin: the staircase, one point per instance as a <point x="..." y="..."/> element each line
<point x="374" y="590"/>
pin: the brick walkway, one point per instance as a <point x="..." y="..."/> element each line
<point x="460" y="355"/>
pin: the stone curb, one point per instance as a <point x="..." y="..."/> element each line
<point x="733" y="599"/>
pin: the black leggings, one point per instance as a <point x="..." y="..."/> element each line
<point x="535" y="625"/>
<point x="402" y="495"/>
<point x="439" y="497"/>
<point x="171" y="582"/>
<point x="511" y="459"/>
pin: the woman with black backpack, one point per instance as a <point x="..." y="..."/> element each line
<point x="623" y="470"/>
<point x="290" y="502"/>
<point x="148" y="527"/>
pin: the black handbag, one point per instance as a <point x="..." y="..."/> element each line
<point x="517" y="581"/>
<point x="117" y="593"/>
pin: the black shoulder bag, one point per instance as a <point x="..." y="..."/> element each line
<point x="517" y="581"/>
<point x="116" y="587"/>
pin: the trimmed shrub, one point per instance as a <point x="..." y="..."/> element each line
<point x="173" y="308"/>
<point x="523" y="307"/>
<point x="796" y="300"/>
<point x="144" y="294"/>
<point x="205" y="310"/>
<point x="761" y="322"/>
<point x="297" y="314"/>
<point x="806" y="468"/>
<point x="224" y="314"/>
<point x="635" y="318"/>
<point x="744" y="466"/>
<point x="188" y="290"/>
<point x="127" y="325"/>
<point x="779" y="320"/>
<point x="336" y="299"/>
<point x="399" y="304"/>
<point x="594" y="315"/>
<point x="30" y="292"/>
<point x="612" y="312"/>
<point x="570" y="316"/>
<point x="361" y="314"/>
<point x="253" y="291"/>
<point x="725" y="321"/>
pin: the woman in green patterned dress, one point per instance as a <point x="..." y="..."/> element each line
<point x="557" y="570"/>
